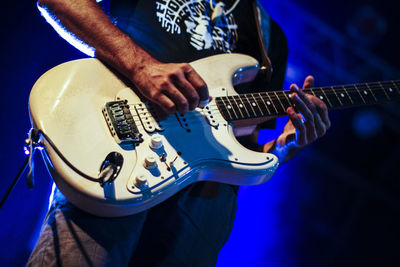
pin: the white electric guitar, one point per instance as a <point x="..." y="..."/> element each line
<point x="112" y="153"/>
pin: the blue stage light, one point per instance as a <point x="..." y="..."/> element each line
<point x="367" y="123"/>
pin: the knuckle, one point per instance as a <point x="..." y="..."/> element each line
<point x="170" y="107"/>
<point x="182" y="103"/>
<point x="309" y="116"/>
<point x="301" y="126"/>
<point x="312" y="106"/>
<point x="328" y="125"/>
<point x="154" y="94"/>
<point x="186" y="67"/>
<point x="321" y="131"/>
<point x="201" y="86"/>
<point x="173" y="75"/>
<point x="194" y="98"/>
<point x="313" y="135"/>
<point x="165" y="83"/>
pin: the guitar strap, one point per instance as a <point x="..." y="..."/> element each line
<point x="263" y="32"/>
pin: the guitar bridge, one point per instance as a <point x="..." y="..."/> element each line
<point x="121" y="123"/>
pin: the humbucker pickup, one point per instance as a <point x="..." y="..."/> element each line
<point x="121" y="123"/>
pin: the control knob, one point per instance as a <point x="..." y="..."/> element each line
<point x="156" y="141"/>
<point x="150" y="162"/>
<point x="140" y="180"/>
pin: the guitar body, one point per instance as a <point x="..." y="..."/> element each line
<point x="67" y="104"/>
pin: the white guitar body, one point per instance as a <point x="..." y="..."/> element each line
<point x="66" y="104"/>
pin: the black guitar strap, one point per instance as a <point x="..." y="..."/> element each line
<point x="262" y="24"/>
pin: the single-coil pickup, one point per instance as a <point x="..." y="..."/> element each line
<point x="210" y="114"/>
<point x="149" y="123"/>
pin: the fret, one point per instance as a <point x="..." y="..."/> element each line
<point x="391" y="89"/>
<point x="354" y="94"/>
<point x="366" y="94"/>
<point x="347" y="93"/>
<point x="223" y="108"/>
<point x="344" y="97"/>
<point x="276" y="102"/>
<point x="269" y="102"/>
<point x="318" y="93"/>
<point x="249" y="105"/>
<point x="256" y="104"/>
<point x="373" y="94"/>
<point x="240" y="107"/>
<point x="361" y="95"/>
<point x="333" y="97"/>
<point x="396" y="85"/>
<point x="383" y="90"/>
<point x="265" y="104"/>
<point x="327" y="98"/>
<point x="378" y="92"/>
<point x="285" y="101"/>
<point x="310" y="91"/>
<point x="232" y="107"/>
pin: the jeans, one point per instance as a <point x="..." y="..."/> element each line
<point x="188" y="229"/>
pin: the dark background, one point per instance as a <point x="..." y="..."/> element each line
<point x="336" y="203"/>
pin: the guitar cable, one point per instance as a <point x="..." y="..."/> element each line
<point x="30" y="144"/>
<point x="69" y="164"/>
<point x="33" y="142"/>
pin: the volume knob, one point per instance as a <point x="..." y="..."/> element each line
<point x="156" y="141"/>
<point x="150" y="162"/>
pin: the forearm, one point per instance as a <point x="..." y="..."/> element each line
<point x="86" y="21"/>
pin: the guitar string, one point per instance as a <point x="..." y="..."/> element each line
<point x="350" y="89"/>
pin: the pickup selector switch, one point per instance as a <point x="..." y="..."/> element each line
<point x="156" y="141"/>
<point x="150" y="162"/>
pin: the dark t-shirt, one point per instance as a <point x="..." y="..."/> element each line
<point x="182" y="30"/>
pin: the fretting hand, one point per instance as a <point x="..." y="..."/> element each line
<point x="308" y="121"/>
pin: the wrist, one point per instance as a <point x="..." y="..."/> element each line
<point x="284" y="148"/>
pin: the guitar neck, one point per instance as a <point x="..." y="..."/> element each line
<point x="275" y="103"/>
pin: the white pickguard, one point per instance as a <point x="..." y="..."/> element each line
<point x="66" y="104"/>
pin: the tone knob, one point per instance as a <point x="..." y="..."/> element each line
<point x="156" y="141"/>
<point x="150" y="162"/>
<point x="140" y="180"/>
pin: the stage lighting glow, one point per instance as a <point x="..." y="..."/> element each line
<point x="367" y="123"/>
<point x="70" y="38"/>
<point x="26" y="151"/>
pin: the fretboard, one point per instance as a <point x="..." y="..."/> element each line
<point x="275" y="103"/>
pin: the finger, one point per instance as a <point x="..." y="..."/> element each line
<point x="177" y="98"/>
<point x="320" y="125"/>
<point x="309" y="100"/>
<point x="198" y="83"/>
<point x="295" y="118"/>
<point x="308" y="82"/>
<point x="302" y="107"/>
<point x="320" y="112"/>
<point x="323" y="112"/>
<point x="188" y="91"/>
<point x="166" y="104"/>
<point x="310" y="120"/>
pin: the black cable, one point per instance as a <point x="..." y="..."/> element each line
<point x="66" y="161"/>
<point x="21" y="171"/>
<point x="35" y="136"/>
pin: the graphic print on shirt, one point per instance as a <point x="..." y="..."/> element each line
<point x="193" y="17"/>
